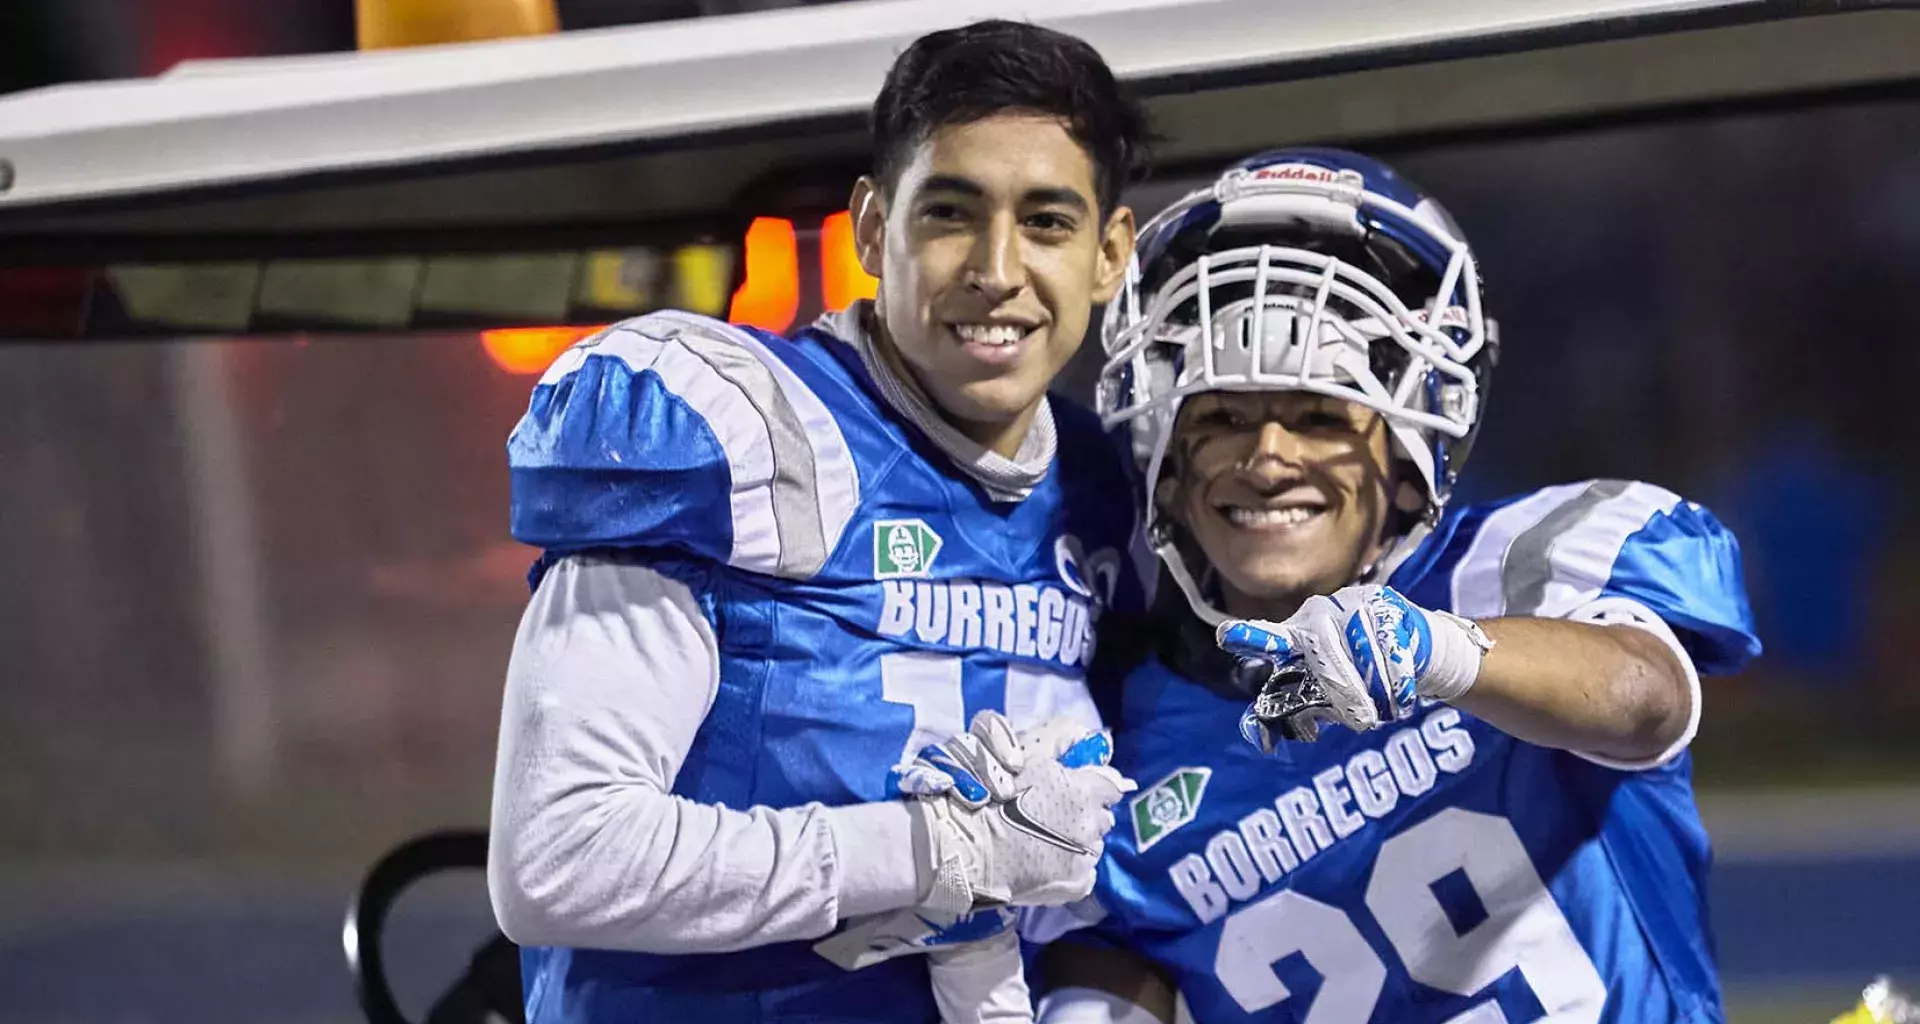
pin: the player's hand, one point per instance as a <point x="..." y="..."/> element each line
<point x="975" y="768"/>
<point x="978" y="766"/>
<point x="974" y="966"/>
<point x="1018" y="826"/>
<point x="1359" y="658"/>
<point x="973" y="771"/>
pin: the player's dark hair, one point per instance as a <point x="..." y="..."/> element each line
<point x="962" y="75"/>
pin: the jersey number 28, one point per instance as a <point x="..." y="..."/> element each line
<point x="1523" y="929"/>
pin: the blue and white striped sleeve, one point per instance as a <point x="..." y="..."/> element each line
<point x="1616" y="552"/>
<point x="674" y="430"/>
<point x="1562" y="548"/>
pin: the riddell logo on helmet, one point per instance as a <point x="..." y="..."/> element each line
<point x="1306" y="173"/>
<point x="1452" y="316"/>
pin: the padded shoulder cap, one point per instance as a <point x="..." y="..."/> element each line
<point x="678" y="430"/>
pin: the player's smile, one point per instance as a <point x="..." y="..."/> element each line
<point x="1275" y="517"/>
<point x="995" y="343"/>
<point x="1284" y="523"/>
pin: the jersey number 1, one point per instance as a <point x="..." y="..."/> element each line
<point x="1523" y="928"/>
<point x="930" y="685"/>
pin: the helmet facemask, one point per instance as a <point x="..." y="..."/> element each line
<point x="1290" y="285"/>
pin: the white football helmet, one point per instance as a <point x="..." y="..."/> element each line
<point x="1302" y="269"/>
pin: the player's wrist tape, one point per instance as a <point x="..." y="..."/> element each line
<point x="1459" y="646"/>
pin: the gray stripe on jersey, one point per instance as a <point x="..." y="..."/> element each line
<point x="796" y="505"/>
<point x="1528" y="566"/>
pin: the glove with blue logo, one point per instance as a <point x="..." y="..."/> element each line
<point x="1011" y="819"/>
<point x="1359" y="658"/>
<point x="977" y="766"/>
<point x="1014" y="818"/>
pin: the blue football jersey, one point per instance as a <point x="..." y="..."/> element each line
<point x="1437" y="870"/>
<point x="866" y="595"/>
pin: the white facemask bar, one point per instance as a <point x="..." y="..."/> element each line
<point x="1386" y="318"/>
<point x="1128" y="336"/>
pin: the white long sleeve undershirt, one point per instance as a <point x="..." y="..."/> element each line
<point x="613" y="670"/>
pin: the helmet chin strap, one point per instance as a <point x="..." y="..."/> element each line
<point x="1168" y="550"/>
<point x="1383" y="568"/>
<point x="1396" y="552"/>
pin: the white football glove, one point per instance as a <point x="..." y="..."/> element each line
<point x="975" y="792"/>
<point x="1359" y="658"/>
<point x="1015" y="829"/>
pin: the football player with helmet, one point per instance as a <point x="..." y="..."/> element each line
<point x="1463" y="793"/>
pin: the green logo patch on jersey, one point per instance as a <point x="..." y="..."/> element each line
<point x="1168" y="804"/>
<point x="903" y="547"/>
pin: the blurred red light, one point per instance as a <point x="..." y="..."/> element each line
<point x="769" y="297"/>
<point x="529" y="350"/>
<point x="842" y="279"/>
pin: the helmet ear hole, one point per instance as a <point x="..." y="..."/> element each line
<point x="1168" y="492"/>
<point x="1407" y="502"/>
<point x="1407" y="494"/>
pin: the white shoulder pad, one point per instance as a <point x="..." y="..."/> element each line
<point x="794" y="482"/>
<point x="1553" y="551"/>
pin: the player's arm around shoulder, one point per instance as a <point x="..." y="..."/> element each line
<point x="1606" y="625"/>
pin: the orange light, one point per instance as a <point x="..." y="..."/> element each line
<point x="529" y="350"/>
<point x="842" y="279"/>
<point x="769" y="298"/>
<point x="384" y="24"/>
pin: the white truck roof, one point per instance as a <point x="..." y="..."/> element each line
<point x="664" y="123"/>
